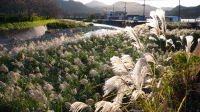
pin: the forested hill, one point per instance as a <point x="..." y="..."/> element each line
<point x="131" y="7"/>
<point x="48" y="8"/>
<point x="186" y="12"/>
<point x="71" y="7"/>
<point x="28" y="7"/>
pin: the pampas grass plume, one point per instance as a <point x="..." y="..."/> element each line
<point x="78" y="107"/>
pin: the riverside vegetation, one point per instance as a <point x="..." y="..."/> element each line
<point x="22" y="22"/>
<point x="142" y="69"/>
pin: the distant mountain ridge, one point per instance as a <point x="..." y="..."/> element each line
<point x="186" y="12"/>
<point x="95" y="4"/>
<point x="167" y="8"/>
<point x="71" y="7"/>
<point x="76" y="8"/>
<point x="131" y="7"/>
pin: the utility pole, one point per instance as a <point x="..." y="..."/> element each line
<point x="124" y="14"/>
<point x="179" y="18"/>
<point x="113" y="13"/>
<point x="144" y="8"/>
<point x="113" y="8"/>
<point x="125" y="7"/>
<point x="125" y="10"/>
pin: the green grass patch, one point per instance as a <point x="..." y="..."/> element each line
<point x="174" y="25"/>
<point x="22" y="25"/>
<point x="25" y="18"/>
<point x="66" y="24"/>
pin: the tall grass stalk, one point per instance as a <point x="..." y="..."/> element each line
<point x="182" y="103"/>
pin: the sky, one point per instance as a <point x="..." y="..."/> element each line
<point x="155" y="3"/>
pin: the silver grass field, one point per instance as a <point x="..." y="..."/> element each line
<point x="146" y="68"/>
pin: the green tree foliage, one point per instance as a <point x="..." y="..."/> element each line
<point x="47" y="8"/>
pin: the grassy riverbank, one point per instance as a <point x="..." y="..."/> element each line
<point x="66" y="24"/>
<point x="21" y="23"/>
<point x="27" y="24"/>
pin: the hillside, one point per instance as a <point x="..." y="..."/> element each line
<point x="76" y="8"/>
<point x="167" y="8"/>
<point x="133" y="8"/>
<point x="95" y="4"/>
<point x="186" y="12"/>
<point x="71" y="7"/>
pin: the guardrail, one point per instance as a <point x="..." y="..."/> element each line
<point x="123" y="23"/>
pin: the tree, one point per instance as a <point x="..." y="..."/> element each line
<point x="47" y="8"/>
<point x="12" y="7"/>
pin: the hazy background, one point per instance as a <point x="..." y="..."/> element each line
<point x="155" y="3"/>
<point x="98" y="8"/>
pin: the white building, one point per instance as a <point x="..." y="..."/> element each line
<point x="136" y="17"/>
<point x="188" y="20"/>
<point x="119" y="15"/>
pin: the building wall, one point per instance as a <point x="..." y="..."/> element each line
<point x="172" y="18"/>
<point x="116" y="15"/>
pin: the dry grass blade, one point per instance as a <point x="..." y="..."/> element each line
<point x="141" y="70"/>
<point x="136" y="94"/>
<point x="161" y="14"/>
<point x="118" y="66"/>
<point x="112" y="84"/>
<point x="104" y="106"/>
<point x="154" y="24"/>
<point x="188" y="47"/>
<point x="128" y="62"/>
<point x="149" y="58"/>
<point x="132" y="34"/>
<point x="115" y="83"/>
<point x="169" y="41"/>
<point x="122" y="91"/>
<point x="78" y="107"/>
<point x="136" y="73"/>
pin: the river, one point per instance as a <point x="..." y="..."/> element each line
<point x="41" y="37"/>
<point x="42" y="33"/>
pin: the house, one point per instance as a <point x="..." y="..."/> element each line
<point x="117" y="15"/>
<point x="136" y="17"/>
<point x="172" y="18"/>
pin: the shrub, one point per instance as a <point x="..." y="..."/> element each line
<point x="65" y="25"/>
<point x="174" y="25"/>
<point x="11" y="19"/>
<point x="26" y="24"/>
